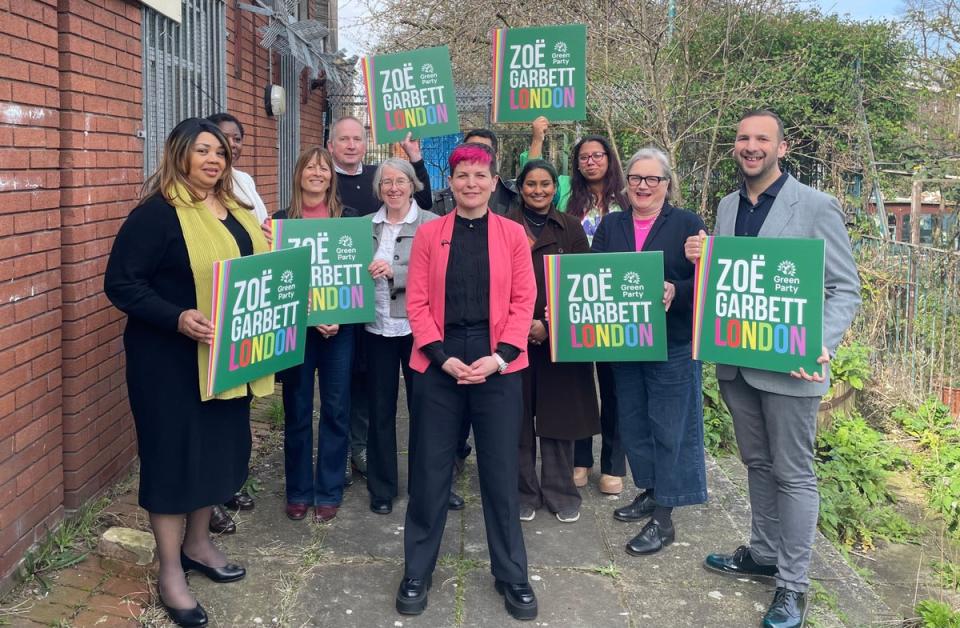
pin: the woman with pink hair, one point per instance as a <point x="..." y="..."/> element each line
<point x="470" y="300"/>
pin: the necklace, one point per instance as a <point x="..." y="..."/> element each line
<point x="534" y="222"/>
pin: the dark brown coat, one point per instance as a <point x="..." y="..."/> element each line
<point x="563" y="396"/>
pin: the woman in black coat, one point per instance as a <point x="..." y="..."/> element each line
<point x="560" y="399"/>
<point x="659" y="404"/>
<point x="194" y="450"/>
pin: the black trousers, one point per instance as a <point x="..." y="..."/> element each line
<point x="386" y="356"/>
<point x="613" y="460"/>
<point x="494" y="410"/>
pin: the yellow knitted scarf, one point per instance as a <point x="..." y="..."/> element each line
<point x="208" y="241"/>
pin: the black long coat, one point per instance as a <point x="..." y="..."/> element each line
<point x="560" y="398"/>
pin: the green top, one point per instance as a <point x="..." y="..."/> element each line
<point x="563" y="187"/>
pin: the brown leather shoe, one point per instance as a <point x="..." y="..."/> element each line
<point x="580" y="475"/>
<point x="297" y="511"/>
<point x="611" y="484"/>
<point x="220" y="521"/>
<point x="323" y="514"/>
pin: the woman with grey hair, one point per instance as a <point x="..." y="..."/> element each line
<point x="389" y="338"/>
<point x="659" y="404"/>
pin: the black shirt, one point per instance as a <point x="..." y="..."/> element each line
<point x="750" y="217"/>
<point x="534" y="221"/>
<point x="467" y="300"/>
<point x="244" y="243"/>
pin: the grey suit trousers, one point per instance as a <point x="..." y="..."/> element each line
<point x="776" y="435"/>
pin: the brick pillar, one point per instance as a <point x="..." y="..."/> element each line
<point x="31" y="469"/>
<point x="102" y="162"/>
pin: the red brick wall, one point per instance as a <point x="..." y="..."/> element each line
<point x="70" y="171"/>
<point x="102" y="161"/>
<point x="31" y="467"/>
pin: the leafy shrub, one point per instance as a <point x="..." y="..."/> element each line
<point x="853" y="463"/>
<point x="718" y="436"/>
<point x="851" y="364"/>
<point x="934" y="614"/>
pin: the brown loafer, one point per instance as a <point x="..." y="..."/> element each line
<point x="611" y="484"/>
<point x="220" y="521"/>
<point x="297" y="511"/>
<point x="580" y="475"/>
<point x="323" y="514"/>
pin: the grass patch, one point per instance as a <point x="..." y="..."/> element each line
<point x="948" y="573"/>
<point x="66" y="545"/>
<point x="609" y="571"/>
<point x="934" y="614"/>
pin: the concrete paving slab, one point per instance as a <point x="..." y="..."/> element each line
<point x="363" y="596"/>
<point x="566" y="597"/>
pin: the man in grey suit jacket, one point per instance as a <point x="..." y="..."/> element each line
<point x="775" y="414"/>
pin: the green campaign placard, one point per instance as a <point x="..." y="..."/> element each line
<point x="758" y="302"/>
<point x="540" y="71"/>
<point x="259" y="317"/>
<point x="606" y="307"/>
<point x="410" y="92"/>
<point x="341" y="249"/>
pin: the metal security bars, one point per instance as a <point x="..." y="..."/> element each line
<point x="184" y="70"/>
<point x="288" y="128"/>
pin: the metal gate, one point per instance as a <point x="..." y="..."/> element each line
<point x="288" y="129"/>
<point x="184" y="70"/>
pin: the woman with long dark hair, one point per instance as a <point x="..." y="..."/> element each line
<point x="559" y="399"/>
<point x="194" y="449"/>
<point x="597" y="189"/>
<point x="327" y="360"/>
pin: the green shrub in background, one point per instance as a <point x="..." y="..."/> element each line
<point x="718" y="436"/>
<point x="851" y="364"/>
<point x="853" y="463"/>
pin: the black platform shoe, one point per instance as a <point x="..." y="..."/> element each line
<point x="412" y="595"/>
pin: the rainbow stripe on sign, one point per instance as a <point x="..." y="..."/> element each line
<point x="368" y="77"/>
<point x="701" y="280"/>
<point x="551" y="268"/>
<point x="221" y="280"/>
<point x="499" y="53"/>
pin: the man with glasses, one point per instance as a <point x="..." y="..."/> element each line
<point x="775" y="414"/>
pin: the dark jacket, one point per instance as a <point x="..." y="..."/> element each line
<point x="564" y="393"/>
<point x="503" y="198"/>
<point x="668" y="234"/>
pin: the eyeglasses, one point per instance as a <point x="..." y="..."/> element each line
<point x="402" y="182"/>
<point x="651" y="181"/>
<point x="585" y="157"/>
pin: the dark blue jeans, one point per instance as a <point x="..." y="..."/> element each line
<point x="660" y="407"/>
<point x="326" y="361"/>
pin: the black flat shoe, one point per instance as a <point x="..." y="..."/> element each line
<point x="227" y="573"/>
<point x="788" y="610"/>
<point x="185" y="617"/>
<point x="651" y="539"/>
<point x="739" y="564"/>
<point x="412" y="595"/>
<point x="221" y="522"/>
<point x="519" y="599"/>
<point x="240" y="501"/>
<point x="456" y="502"/>
<point x="640" y="508"/>
<point x="381" y="506"/>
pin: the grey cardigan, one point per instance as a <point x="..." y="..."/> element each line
<point x="401" y="259"/>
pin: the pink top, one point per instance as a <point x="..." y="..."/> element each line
<point x="316" y="211"/>
<point x="641" y="229"/>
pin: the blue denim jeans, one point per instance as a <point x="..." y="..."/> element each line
<point x="326" y="361"/>
<point x="660" y="407"/>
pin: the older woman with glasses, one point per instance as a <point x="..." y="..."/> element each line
<point x="660" y="407"/>
<point x="389" y="339"/>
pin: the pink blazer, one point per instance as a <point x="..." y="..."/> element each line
<point x="513" y="289"/>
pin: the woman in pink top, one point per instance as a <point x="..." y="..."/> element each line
<point x="327" y="360"/>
